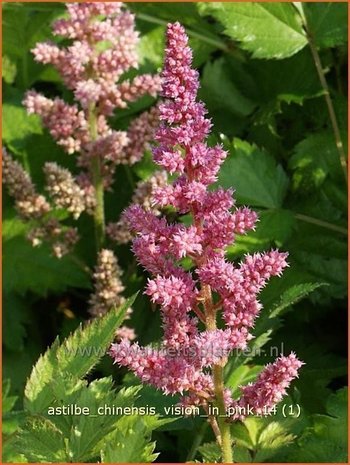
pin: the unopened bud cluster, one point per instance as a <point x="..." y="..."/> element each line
<point x="64" y="190"/>
<point x="28" y="202"/>
<point x="34" y="208"/>
<point x="108" y="285"/>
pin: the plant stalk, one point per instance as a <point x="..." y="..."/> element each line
<point x="323" y="224"/>
<point x="329" y="103"/>
<point x="97" y="180"/>
<point x="218" y="379"/>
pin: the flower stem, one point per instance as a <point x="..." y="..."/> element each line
<point x="97" y="180"/>
<point x="318" y="222"/>
<point x="329" y="103"/>
<point x="226" y="442"/>
<point x="218" y="379"/>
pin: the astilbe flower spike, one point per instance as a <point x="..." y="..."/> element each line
<point x="93" y="74"/>
<point x="181" y="364"/>
<point x="100" y="46"/>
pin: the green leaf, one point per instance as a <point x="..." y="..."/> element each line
<point x="130" y="442"/>
<point x="268" y="322"/>
<point x="262" y="438"/>
<point x="40" y="441"/>
<point x="76" y="356"/>
<point x="254" y="175"/>
<point x="327" y="22"/>
<point x="86" y="433"/>
<point x="23" y="26"/>
<point x="152" y="396"/>
<point x="267" y="30"/>
<point x="34" y="269"/>
<point x="293" y="295"/>
<point x="14" y="135"/>
<point x="315" y="158"/>
<point x="322" y="369"/>
<point x="290" y="80"/>
<point x="272" y="438"/>
<point x="210" y="452"/>
<point x="9" y="70"/>
<point x="145" y="167"/>
<point x="226" y="96"/>
<point x="326" y="439"/>
<point x="323" y="256"/>
<point x="83" y="433"/>
<point x="242" y="376"/>
<point x="8" y="401"/>
<point x="273" y="229"/>
<point x="151" y="46"/>
<point x="15" y="317"/>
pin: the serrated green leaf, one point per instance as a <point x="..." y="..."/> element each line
<point x="268" y="322"/>
<point x="76" y="356"/>
<point x="210" y="452"/>
<point x="292" y="296"/>
<point x="328" y="23"/>
<point x="152" y="396"/>
<point x="241" y="435"/>
<point x="36" y="396"/>
<point x="87" y="433"/>
<point x="262" y="438"/>
<point x="272" y="438"/>
<point x="293" y="79"/>
<point x="326" y="439"/>
<point x="324" y="258"/>
<point x="254" y="175"/>
<point x="267" y="30"/>
<point x="130" y="443"/>
<point x="40" y="441"/>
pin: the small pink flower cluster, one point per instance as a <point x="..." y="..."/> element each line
<point x="103" y="47"/>
<point x="185" y="297"/>
<point x="143" y="193"/>
<point x="270" y="387"/>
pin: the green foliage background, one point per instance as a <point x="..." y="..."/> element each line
<point x="262" y="90"/>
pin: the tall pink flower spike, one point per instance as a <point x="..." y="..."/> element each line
<point x="181" y="364"/>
